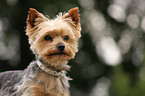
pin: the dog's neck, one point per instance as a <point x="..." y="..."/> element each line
<point x="56" y="66"/>
<point x="51" y="70"/>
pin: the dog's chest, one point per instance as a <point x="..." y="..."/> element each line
<point x="50" y="85"/>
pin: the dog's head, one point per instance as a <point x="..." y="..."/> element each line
<point x="54" y="40"/>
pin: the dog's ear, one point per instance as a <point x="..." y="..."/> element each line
<point x="34" y="18"/>
<point x="73" y="14"/>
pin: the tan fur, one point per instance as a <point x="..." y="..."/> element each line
<point x="38" y="26"/>
<point x="48" y="85"/>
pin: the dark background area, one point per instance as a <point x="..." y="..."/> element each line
<point x="110" y="61"/>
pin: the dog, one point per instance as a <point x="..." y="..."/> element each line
<point x="54" y="42"/>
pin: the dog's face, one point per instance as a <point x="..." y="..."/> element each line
<point x="56" y="40"/>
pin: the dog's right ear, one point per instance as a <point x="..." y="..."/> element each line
<point x="73" y="15"/>
<point x="34" y="18"/>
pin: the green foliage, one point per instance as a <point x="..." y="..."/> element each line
<point x="121" y="84"/>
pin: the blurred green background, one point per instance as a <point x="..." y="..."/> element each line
<point x="111" y="60"/>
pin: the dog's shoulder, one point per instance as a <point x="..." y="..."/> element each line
<point x="9" y="77"/>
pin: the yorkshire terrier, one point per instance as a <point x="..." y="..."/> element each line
<point x="54" y="42"/>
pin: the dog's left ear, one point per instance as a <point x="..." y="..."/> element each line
<point x="73" y="14"/>
<point x="34" y="18"/>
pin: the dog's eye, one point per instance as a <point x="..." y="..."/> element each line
<point x="66" y="38"/>
<point x="47" y="38"/>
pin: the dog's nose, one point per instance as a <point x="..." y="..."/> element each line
<point x="60" y="47"/>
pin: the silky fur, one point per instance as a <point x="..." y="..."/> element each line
<point x="57" y="28"/>
<point x="33" y="81"/>
<point x="36" y="82"/>
<point x="39" y="27"/>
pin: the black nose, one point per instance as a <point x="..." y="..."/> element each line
<point x="60" y="47"/>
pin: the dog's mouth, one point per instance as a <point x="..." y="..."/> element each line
<point x="58" y="53"/>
